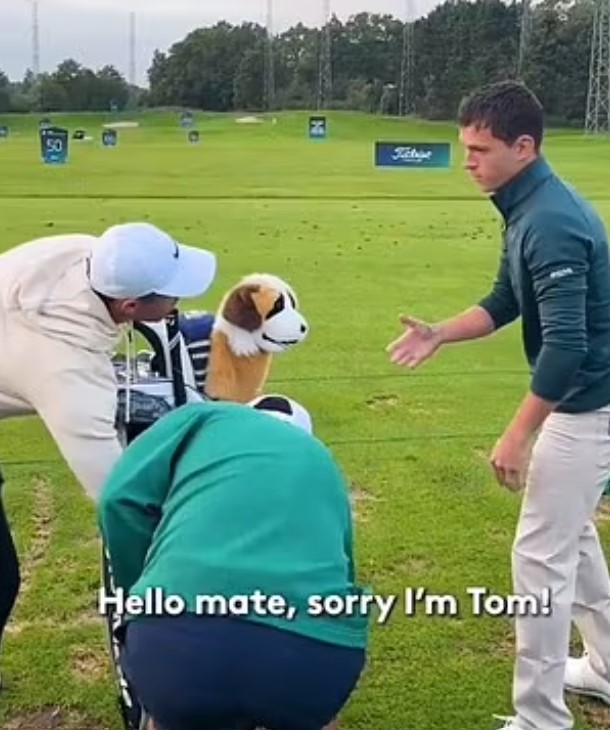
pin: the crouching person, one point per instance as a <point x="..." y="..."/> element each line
<point x="218" y="502"/>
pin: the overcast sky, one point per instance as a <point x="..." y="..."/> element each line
<point x="96" y="32"/>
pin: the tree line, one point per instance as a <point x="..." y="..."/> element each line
<point x="457" y="46"/>
<point x="71" y="87"/>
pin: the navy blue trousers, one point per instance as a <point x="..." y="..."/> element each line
<point x="9" y="569"/>
<point x="222" y="673"/>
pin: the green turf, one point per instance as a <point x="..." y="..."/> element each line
<point x="361" y="246"/>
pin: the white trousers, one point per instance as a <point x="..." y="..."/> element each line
<point x="557" y="547"/>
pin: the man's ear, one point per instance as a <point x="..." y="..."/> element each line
<point x="526" y="146"/>
<point x="127" y="308"/>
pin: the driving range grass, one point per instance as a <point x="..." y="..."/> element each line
<point x="360" y="246"/>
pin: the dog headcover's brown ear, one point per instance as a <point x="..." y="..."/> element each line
<point x="240" y="309"/>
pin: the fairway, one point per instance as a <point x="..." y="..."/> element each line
<point x="361" y="246"/>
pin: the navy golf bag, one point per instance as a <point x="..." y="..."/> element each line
<point x="151" y="384"/>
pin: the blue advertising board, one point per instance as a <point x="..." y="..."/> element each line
<point x="54" y="145"/>
<point x="412" y="154"/>
<point x="318" y="127"/>
<point x="109" y="138"/>
<point x="187" y="120"/>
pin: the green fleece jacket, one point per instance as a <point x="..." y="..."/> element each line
<point x="554" y="272"/>
<point x="221" y="500"/>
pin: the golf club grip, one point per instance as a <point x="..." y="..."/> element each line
<point x="175" y="355"/>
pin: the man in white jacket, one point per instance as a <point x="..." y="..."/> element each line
<point x="63" y="300"/>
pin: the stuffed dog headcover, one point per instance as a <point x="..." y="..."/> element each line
<point x="257" y="319"/>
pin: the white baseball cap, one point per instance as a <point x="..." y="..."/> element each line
<point x="133" y="260"/>
<point x="285" y="409"/>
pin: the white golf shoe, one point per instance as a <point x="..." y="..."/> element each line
<point x="582" y="679"/>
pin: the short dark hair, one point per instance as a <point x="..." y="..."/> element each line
<point x="154" y="298"/>
<point x="146" y="299"/>
<point x="508" y="108"/>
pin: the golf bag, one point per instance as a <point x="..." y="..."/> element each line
<point x="151" y="384"/>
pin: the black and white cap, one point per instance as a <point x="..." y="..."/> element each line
<point x="285" y="409"/>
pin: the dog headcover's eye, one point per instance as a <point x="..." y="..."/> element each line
<point x="278" y="306"/>
<point x="292" y="301"/>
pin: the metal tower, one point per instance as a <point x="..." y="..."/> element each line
<point x="524" y="35"/>
<point x="406" y="94"/>
<point x="132" y="49"/>
<point x="325" y="79"/>
<point x="35" y="39"/>
<point x="598" y="97"/>
<point x="269" y="86"/>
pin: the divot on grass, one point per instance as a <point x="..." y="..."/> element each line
<point x="89" y="665"/>
<point x="43" y="516"/>
<point x="52" y="718"/>
<point x="595" y="712"/>
<point x="84" y="620"/>
<point x="359" y="497"/>
<point x="379" y="402"/>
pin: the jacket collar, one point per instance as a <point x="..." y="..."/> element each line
<point x="508" y="198"/>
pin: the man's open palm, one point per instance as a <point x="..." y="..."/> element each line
<point x="419" y="342"/>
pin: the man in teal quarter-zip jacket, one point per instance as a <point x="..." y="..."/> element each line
<point x="554" y="273"/>
<point x="220" y="509"/>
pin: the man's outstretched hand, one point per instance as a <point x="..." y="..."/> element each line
<point x="419" y="342"/>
